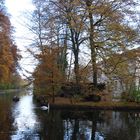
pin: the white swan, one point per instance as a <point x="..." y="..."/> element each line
<point x="45" y="107"/>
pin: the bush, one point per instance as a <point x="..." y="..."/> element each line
<point x="134" y="94"/>
<point x="92" y="97"/>
<point x="7" y="86"/>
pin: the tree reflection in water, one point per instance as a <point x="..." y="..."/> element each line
<point x="5" y="118"/>
<point x="83" y="125"/>
<point x="68" y="125"/>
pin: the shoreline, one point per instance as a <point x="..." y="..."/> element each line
<point x="4" y="91"/>
<point x="94" y="107"/>
<point x="66" y="103"/>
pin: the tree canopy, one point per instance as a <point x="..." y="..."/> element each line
<point x="9" y="54"/>
<point x="105" y="28"/>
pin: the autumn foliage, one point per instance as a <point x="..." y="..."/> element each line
<point x="105" y="29"/>
<point x="48" y="74"/>
<point x="8" y="50"/>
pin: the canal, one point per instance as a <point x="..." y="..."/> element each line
<point x="24" y="120"/>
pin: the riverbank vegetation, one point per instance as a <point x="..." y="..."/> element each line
<point x="67" y="103"/>
<point x="69" y="32"/>
<point x="9" y="53"/>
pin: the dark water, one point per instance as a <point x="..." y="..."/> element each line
<point x="26" y="121"/>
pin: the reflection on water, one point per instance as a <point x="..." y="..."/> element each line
<point x="83" y="132"/>
<point x="89" y="125"/>
<point x="5" y="117"/>
<point x="25" y="120"/>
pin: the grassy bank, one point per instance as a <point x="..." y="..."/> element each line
<point x="3" y="91"/>
<point x="66" y="103"/>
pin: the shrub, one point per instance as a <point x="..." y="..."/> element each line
<point x="134" y="94"/>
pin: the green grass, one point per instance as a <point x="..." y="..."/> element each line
<point x="66" y="101"/>
<point x="108" y="104"/>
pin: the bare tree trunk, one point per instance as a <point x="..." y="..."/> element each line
<point x="75" y="49"/>
<point x="76" y="67"/>
<point x="53" y="91"/>
<point x="69" y="70"/>
<point x="92" y="43"/>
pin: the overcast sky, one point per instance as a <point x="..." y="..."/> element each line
<point x="16" y="8"/>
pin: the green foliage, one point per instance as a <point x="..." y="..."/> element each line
<point x="134" y="94"/>
<point x="15" y="82"/>
<point x="7" y="86"/>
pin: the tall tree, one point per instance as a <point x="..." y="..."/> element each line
<point x="109" y="29"/>
<point x="48" y="75"/>
<point x="71" y="14"/>
<point x="8" y="50"/>
<point x="46" y="28"/>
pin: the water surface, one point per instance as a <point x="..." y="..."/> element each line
<point x="24" y="120"/>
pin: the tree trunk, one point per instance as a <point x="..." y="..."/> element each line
<point x="53" y="91"/>
<point x="76" y="67"/>
<point x="92" y="43"/>
<point x="75" y="49"/>
<point x="69" y="70"/>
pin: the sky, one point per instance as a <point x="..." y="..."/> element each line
<point x="16" y="9"/>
